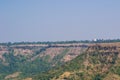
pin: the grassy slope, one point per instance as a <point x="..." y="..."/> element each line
<point x="27" y="68"/>
<point x="87" y="66"/>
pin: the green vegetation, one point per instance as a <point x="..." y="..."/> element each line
<point x="21" y="64"/>
<point x="87" y="66"/>
<point x="97" y="64"/>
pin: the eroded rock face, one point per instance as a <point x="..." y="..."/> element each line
<point x="104" y="48"/>
<point x="39" y="50"/>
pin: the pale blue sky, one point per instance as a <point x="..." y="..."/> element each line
<point x="56" y="20"/>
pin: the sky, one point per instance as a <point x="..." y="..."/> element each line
<point x="59" y="20"/>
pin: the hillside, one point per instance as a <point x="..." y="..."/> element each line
<point x="98" y="62"/>
<point x="18" y="61"/>
<point x="67" y="61"/>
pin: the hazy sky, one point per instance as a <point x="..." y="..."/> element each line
<point x="56" y="20"/>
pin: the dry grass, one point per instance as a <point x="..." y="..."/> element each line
<point x="28" y="79"/>
<point x="14" y="75"/>
<point x="112" y="77"/>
